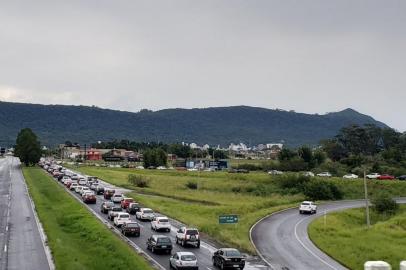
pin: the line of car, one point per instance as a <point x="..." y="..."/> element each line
<point x="376" y="176"/>
<point x="119" y="208"/>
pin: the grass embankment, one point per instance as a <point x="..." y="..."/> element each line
<point x="346" y="238"/>
<point x="76" y="238"/>
<point x="251" y="196"/>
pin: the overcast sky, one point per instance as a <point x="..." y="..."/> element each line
<point x="308" y="56"/>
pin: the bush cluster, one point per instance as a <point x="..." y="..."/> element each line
<point x="314" y="189"/>
<point x="191" y="185"/>
<point x="384" y="204"/>
<point x="138" y="180"/>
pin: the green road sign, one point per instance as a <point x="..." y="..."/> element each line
<point x="228" y="219"/>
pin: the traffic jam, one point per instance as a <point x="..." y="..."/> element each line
<point x="165" y="242"/>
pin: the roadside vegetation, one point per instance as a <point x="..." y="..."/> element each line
<point x="346" y="238"/>
<point x="76" y="238"/>
<point x="198" y="198"/>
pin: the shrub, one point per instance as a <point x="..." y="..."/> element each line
<point x="384" y="204"/>
<point x="322" y="190"/>
<point x="249" y="167"/>
<point x="191" y="185"/>
<point x="138" y="180"/>
<point x="293" y="182"/>
<point x="236" y="189"/>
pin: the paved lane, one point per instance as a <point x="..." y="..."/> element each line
<point x="25" y="249"/>
<point x="282" y="239"/>
<point x="4" y="211"/>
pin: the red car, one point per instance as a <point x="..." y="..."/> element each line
<point x="89" y="198"/>
<point x="386" y="177"/>
<point x="126" y="202"/>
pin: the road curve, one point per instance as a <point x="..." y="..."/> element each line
<point x="283" y="243"/>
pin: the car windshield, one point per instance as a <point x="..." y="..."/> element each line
<point x="165" y="240"/>
<point x="132" y="225"/>
<point x="117" y="209"/>
<point x="192" y="232"/>
<point x="163" y="220"/>
<point x="148" y="212"/>
<point x="306" y="203"/>
<point x="109" y="204"/>
<point x="188" y="258"/>
<point x="233" y="253"/>
<point x="124" y="216"/>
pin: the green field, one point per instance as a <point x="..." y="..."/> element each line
<point x="346" y="238"/>
<point x="76" y="238"/>
<point x="251" y="196"/>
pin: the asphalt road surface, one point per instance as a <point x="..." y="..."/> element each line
<point x="283" y="242"/>
<point x="203" y="254"/>
<point x="20" y="241"/>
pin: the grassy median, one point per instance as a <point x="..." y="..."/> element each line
<point x="345" y="237"/>
<point x="76" y="238"/>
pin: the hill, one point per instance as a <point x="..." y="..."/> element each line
<point x="221" y="125"/>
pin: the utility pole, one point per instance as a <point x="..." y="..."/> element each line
<point x="366" y="201"/>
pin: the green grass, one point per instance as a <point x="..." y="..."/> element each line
<point x="251" y="196"/>
<point x="76" y="238"/>
<point x="346" y="238"/>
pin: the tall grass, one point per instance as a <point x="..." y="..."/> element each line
<point x="346" y="238"/>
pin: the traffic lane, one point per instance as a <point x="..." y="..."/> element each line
<point x="204" y="254"/>
<point x="26" y="249"/>
<point x="283" y="241"/>
<point x="4" y="210"/>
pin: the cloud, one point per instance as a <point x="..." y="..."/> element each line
<point x="312" y="57"/>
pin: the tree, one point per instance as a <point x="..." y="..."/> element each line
<point x="155" y="157"/>
<point x="28" y="148"/>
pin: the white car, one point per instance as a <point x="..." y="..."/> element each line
<point x="161" y="168"/>
<point x="145" y="214"/>
<point x="324" y="174"/>
<point x="308" y="207"/>
<point x="192" y="169"/>
<point x="140" y="167"/>
<point x="373" y="175"/>
<point x="275" y="172"/>
<point x="160" y="223"/>
<point x="121" y="218"/>
<point x="73" y="186"/>
<point x="308" y="174"/>
<point x="350" y="176"/>
<point x="83" y="189"/>
<point x="183" y="260"/>
<point x="117" y="198"/>
<point x="82" y="182"/>
<point x="78" y="189"/>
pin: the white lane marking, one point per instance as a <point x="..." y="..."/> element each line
<point x="5" y="248"/>
<point x="307" y="248"/>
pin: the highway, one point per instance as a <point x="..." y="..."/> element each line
<point x="282" y="240"/>
<point x="203" y="254"/>
<point x="22" y="247"/>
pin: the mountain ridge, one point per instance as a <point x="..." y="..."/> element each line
<point x="214" y="125"/>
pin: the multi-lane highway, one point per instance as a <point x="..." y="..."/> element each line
<point x="22" y="247"/>
<point x="283" y="242"/>
<point x="203" y="254"/>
